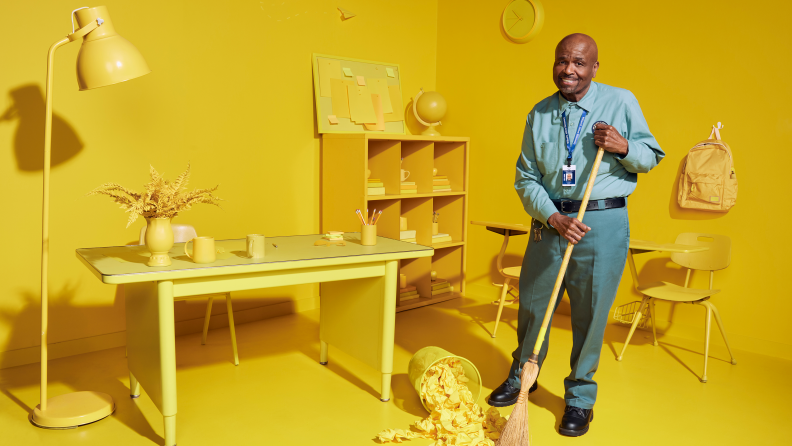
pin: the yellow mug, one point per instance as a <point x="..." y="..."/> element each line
<point x="203" y="250"/>
<point x="255" y="246"/>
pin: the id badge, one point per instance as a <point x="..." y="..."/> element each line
<point x="568" y="177"/>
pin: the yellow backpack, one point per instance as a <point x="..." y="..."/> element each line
<point x="708" y="181"/>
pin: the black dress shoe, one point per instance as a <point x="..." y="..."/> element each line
<point x="575" y="421"/>
<point x="506" y="395"/>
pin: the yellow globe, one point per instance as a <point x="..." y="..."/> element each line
<point x="431" y="106"/>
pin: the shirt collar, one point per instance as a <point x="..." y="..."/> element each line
<point x="586" y="103"/>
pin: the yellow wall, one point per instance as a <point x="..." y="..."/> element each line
<point x="690" y="64"/>
<point x="230" y="92"/>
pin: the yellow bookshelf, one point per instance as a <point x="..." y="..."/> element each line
<point x="345" y="159"/>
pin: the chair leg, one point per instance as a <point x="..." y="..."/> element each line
<point x="707" y="322"/>
<point x="722" y="331"/>
<point x="500" y="305"/>
<point x="206" y="320"/>
<point x="654" y="325"/>
<point x="231" y="326"/>
<point x="636" y="319"/>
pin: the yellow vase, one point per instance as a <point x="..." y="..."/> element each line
<point x="159" y="240"/>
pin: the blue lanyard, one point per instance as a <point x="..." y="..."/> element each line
<point x="571" y="147"/>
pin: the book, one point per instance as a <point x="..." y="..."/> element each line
<point x="410" y="233"/>
<point x="408" y="183"/>
<point x="410" y="295"/>
<point x="408" y="288"/>
<point x="441" y="240"/>
<point x="439" y="182"/>
<point x="441" y="187"/>
<point x="441" y="291"/>
<point x="376" y="184"/>
<point x="440" y="234"/>
<point x="406" y="298"/>
<point x="409" y="191"/>
<point x="440" y="283"/>
<point x="374" y="180"/>
<point x="376" y="191"/>
<point x="445" y="286"/>
<point x="408" y="186"/>
<point x="440" y="177"/>
<point x="410" y="240"/>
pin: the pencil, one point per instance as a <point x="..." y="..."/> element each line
<point x="360" y="216"/>
<point x="372" y="215"/>
<point x="376" y="219"/>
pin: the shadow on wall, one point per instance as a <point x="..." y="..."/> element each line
<point x="676" y="212"/>
<point x="29" y="108"/>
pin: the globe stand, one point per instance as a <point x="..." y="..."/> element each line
<point x="431" y="129"/>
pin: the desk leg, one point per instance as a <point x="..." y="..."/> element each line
<point x="151" y="347"/>
<point x="358" y="317"/>
<point x="633" y="271"/>
<point x="388" y="325"/>
<point x="134" y="386"/>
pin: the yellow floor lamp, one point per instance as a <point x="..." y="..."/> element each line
<point x="105" y="58"/>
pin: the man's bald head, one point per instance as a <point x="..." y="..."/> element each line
<point x="576" y="63"/>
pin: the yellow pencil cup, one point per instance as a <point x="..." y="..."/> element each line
<point x="435" y="228"/>
<point x="426" y="357"/>
<point x="368" y="235"/>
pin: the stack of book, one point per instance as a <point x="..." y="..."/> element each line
<point x="408" y="236"/>
<point x="440" y="183"/>
<point x="440" y="286"/>
<point x="441" y="238"/>
<point x="376" y="187"/>
<point x="408" y="293"/>
<point x="409" y="187"/>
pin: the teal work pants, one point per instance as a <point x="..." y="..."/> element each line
<point x="591" y="281"/>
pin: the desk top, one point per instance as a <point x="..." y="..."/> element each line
<point x="127" y="264"/>
<point x="645" y="245"/>
<point x="510" y="226"/>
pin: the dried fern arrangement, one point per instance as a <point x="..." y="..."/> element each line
<point x="161" y="199"/>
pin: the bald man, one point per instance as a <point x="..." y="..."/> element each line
<point x="558" y="149"/>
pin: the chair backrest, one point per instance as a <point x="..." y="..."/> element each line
<point x="717" y="257"/>
<point x="181" y="234"/>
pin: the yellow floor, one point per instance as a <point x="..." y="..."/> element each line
<point x="280" y="395"/>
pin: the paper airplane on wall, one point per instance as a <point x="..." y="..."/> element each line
<point x="345" y="15"/>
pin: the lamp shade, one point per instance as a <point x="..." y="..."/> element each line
<point x="106" y="58"/>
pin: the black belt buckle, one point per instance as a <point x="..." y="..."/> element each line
<point x="563" y="208"/>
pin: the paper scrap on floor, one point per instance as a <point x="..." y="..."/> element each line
<point x="455" y="419"/>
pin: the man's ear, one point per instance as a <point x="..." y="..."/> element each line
<point x="596" y="67"/>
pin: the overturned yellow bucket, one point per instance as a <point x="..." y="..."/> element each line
<point x="426" y="357"/>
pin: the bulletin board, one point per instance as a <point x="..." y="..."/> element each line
<point x="357" y="96"/>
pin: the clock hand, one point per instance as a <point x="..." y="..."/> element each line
<point x="518" y="21"/>
<point x="518" y="16"/>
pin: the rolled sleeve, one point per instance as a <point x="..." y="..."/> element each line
<point x="528" y="180"/>
<point x="644" y="152"/>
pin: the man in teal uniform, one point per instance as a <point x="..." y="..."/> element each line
<point x="558" y="150"/>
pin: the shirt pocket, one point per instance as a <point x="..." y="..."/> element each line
<point x="549" y="157"/>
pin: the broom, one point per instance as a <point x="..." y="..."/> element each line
<point x="515" y="433"/>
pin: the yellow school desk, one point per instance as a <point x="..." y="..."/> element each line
<point x="642" y="246"/>
<point x="358" y="299"/>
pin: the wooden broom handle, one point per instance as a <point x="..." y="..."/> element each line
<point x="567" y="254"/>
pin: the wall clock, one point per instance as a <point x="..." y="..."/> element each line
<point x="522" y="20"/>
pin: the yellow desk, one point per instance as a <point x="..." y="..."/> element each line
<point x="358" y="308"/>
<point x="642" y="246"/>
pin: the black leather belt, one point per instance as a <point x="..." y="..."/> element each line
<point x="572" y="206"/>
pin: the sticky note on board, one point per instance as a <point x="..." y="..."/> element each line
<point x="390" y="72"/>
<point x="333" y="119"/>
<point x="361" y="108"/>
<point x="398" y="105"/>
<point x="328" y="69"/>
<point x="376" y="102"/>
<point x="380" y="87"/>
<point x="348" y="72"/>
<point x="361" y="80"/>
<point x="339" y="96"/>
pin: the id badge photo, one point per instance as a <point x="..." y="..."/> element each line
<point x="568" y="176"/>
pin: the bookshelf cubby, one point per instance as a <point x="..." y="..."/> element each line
<point x="345" y="159"/>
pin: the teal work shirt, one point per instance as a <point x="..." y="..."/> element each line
<point x="544" y="152"/>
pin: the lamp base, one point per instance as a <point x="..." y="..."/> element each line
<point x="73" y="409"/>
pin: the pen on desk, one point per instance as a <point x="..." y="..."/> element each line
<point x="276" y="246"/>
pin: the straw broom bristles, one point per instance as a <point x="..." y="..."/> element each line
<point x="516" y="432"/>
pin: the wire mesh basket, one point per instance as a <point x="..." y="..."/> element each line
<point x="626" y="314"/>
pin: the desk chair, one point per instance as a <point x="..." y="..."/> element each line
<point x="183" y="234"/>
<point x="510" y="274"/>
<point x="716" y="258"/>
